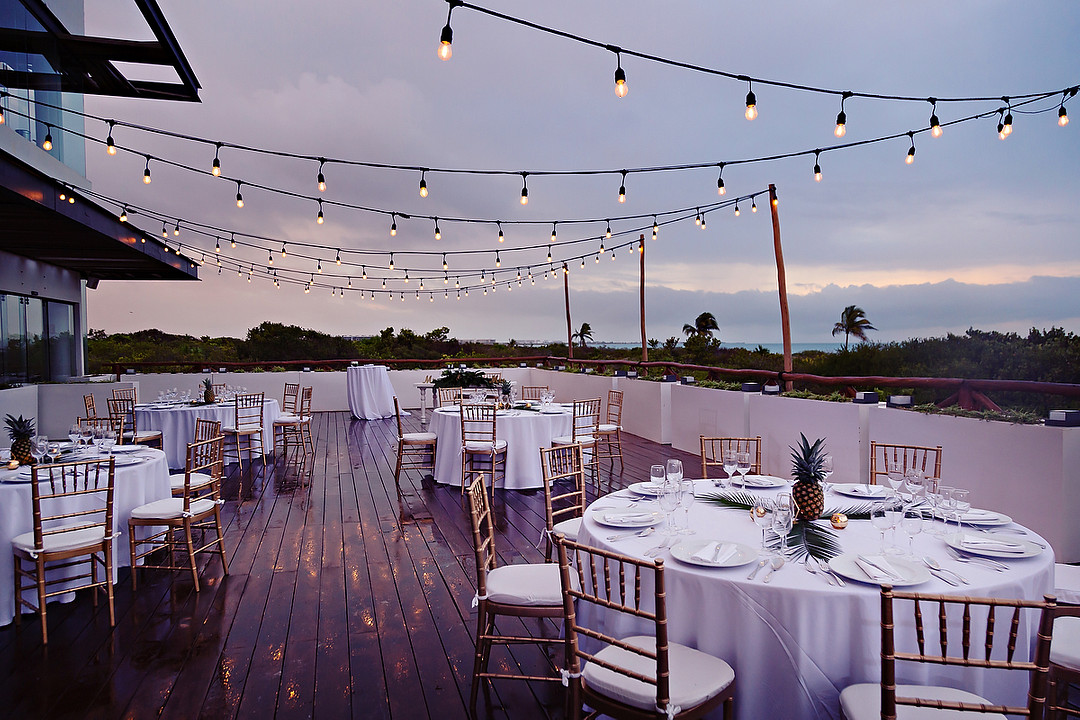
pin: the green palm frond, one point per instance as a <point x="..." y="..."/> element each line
<point x="811" y="538"/>
<point x="854" y="512"/>
<point x="738" y="500"/>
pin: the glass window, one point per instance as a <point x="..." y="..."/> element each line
<point x="37" y="347"/>
<point x="61" y="318"/>
<point x="37" y="339"/>
<point x="13" y="338"/>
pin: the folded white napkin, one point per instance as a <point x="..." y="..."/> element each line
<point x="864" y="490"/>
<point x="715" y="552"/>
<point x="877" y="568"/>
<point x="976" y="543"/>
<point x="626" y="518"/>
<point x="979" y="515"/>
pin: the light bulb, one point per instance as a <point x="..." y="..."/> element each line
<point x="445" y="266"/>
<point x="935" y="127"/>
<point x="751" y="106"/>
<point x="239" y="199"/>
<point x="841" y="124"/>
<point x="621" y="88"/>
<point x="123" y="215"/>
<point x="320" y="179"/>
<point x="446" y="50"/>
<point x="338" y="258"/>
<point x="110" y="146"/>
<point x="283" y="250"/>
<point x="524" y="192"/>
<point x="146" y="172"/>
<point x="553" y="233"/>
<point x="817" y="172"/>
<point x="216" y="169"/>
<point x="47" y="145"/>
<point x="911" y="150"/>
<point x="1063" y="116"/>
<point x="423" y="186"/>
<point x="393" y="225"/>
<point x="319" y="218"/>
<point x="736" y="209"/>
<point x="720" y="189"/>
<point x="607" y="232"/>
<point x="1007" y="129"/>
<point x="753" y="206"/>
<point x="438" y="233"/>
<point x="501" y="236"/>
<point x="176" y="230"/>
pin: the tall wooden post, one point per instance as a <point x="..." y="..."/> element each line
<point x="566" y="293"/>
<point x="644" y="344"/>
<point x="781" y="282"/>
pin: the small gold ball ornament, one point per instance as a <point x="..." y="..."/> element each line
<point x="839" y="521"/>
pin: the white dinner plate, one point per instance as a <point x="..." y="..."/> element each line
<point x="859" y="490"/>
<point x="128" y="448"/>
<point x="684" y="550"/>
<point x="912" y="573"/>
<point x="629" y="518"/>
<point x="1008" y="547"/>
<point x="645" y="488"/>
<point x="504" y="413"/>
<point x="758" y="481"/>
<point x="125" y="460"/>
<point x="448" y="410"/>
<point x="553" y="411"/>
<point x="988" y="518"/>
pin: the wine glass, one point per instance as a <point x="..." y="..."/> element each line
<point x="933" y="499"/>
<point x="894" y="511"/>
<point x="895" y="475"/>
<point x="826" y="471"/>
<point x="73" y="435"/>
<point x="54" y="452"/>
<point x="731" y="463"/>
<point x="39" y="448"/>
<point x="880" y="520"/>
<point x="674" y="477"/>
<point x="783" y="518"/>
<point x="86" y="434"/>
<point x="742" y="465"/>
<point x="686" y="501"/>
<point x="962" y="501"/>
<point x="947" y="505"/>
<point x="669" y="501"/>
<point x="912" y="524"/>
<point x="916" y="484"/>
<point x="762" y="513"/>
<point x="657" y="475"/>
<point x="108" y="441"/>
<point x="99" y="435"/>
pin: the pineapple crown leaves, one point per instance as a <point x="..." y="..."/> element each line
<point x="208" y="384"/>
<point x="19" y="427"/>
<point x="806" y="460"/>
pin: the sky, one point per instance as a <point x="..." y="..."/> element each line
<point x="977" y="232"/>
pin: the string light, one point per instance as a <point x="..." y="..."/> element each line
<point x="363" y="272"/>
<point x="391" y="266"/>
<point x="498" y="261"/>
<point x="283" y="250"/>
<point x="549" y="256"/>
<point x="1001" y="124"/>
<point x="817" y="166"/>
<point x="319" y="267"/>
<point x="622" y="188"/>
<point x="911" y="150"/>
<point x="338" y="258"/>
<point x="110" y="146"/>
<point x="445" y="266"/>
<point x="582" y="263"/>
<point x="751" y="101"/>
<point x="176" y="230"/>
<point x="736" y="209"/>
<point x="702" y="227"/>
<point x="47" y="145"/>
<point x="607" y="231"/>
<point x="232" y="240"/>
<point x="423" y="184"/>
<point x="217" y="247"/>
<point x="215" y="168"/>
<point x="1007" y="129"/>
<point x="935" y="124"/>
<point x="553" y="233"/>
<point x="447" y="37"/>
<point x="501" y="236"/>
<point x="2" y="118"/>
<point x="164" y="231"/>
<point x="146" y="172"/>
<point x="123" y="214"/>
<point x="320" y="180"/>
<point x="239" y="196"/>
<point x="393" y="224"/>
<point x="720" y="189"/>
<point x="655" y="228"/>
<point x="319" y="218"/>
<point x="270" y="259"/>
<point x="1063" y="114"/>
<point x="841" y="118"/>
<point x="524" y="189"/>
<point x="753" y="205"/>
<point x="621" y="87"/>
<point x="438" y="234"/>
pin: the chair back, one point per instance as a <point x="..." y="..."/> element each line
<point x="478" y="425"/>
<point x="614" y="407"/>
<point x="131" y="393"/>
<point x="975" y="649"/>
<point x="533" y="392"/>
<point x="924" y="458"/>
<point x="91" y="408"/>
<point x="586" y="418"/>
<point x="483" y="532"/>
<point x="619" y="584"/>
<point x="206" y="457"/>
<point x="563" y="464"/>
<point x="397" y="414"/>
<point x="124" y="407"/>
<point x="218" y="388"/>
<point x="111" y="422"/>
<point x="713" y="449"/>
<point x="290" y="397"/>
<point x="304" y="407"/>
<point x="72" y="496"/>
<point x="448" y="396"/>
<point x="1062" y="676"/>
<point x="206" y="429"/>
<point x="494" y="377"/>
<point x="249" y="411"/>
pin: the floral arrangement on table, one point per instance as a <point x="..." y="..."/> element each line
<point x="20" y="431"/>
<point x="462" y="379"/>
<point x="808" y="536"/>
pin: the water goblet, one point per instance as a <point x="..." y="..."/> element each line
<point x="99" y="436"/>
<point x="54" y="452"/>
<point x="916" y="484"/>
<point x="86" y="434"/>
<point x="895" y="475"/>
<point x="657" y="477"/>
<point x="686" y="501"/>
<point x="39" y="448"/>
<point x="762" y="513"/>
<point x="933" y="498"/>
<point x="912" y="524"/>
<point x="894" y="511"/>
<point x="73" y="435"/>
<point x="826" y="472"/>
<point x="783" y="518"/>
<point x="962" y="501"/>
<point x="669" y="501"/>
<point x="947" y="505"/>
<point x="880" y="520"/>
<point x="742" y="465"/>
<point x="108" y="441"/>
<point x="731" y="463"/>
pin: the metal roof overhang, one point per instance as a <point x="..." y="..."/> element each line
<point x="81" y="236"/>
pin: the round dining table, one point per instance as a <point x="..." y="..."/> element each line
<point x="142" y="476"/>
<point x="798" y="640"/>
<point x="525" y="432"/>
<point x="176" y="421"/>
<point x="371" y="396"/>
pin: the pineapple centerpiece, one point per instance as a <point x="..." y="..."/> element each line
<point x="20" y="430"/>
<point x="208" y="391"/>
<point x="807" y="492"/>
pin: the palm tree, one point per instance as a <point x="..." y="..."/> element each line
<point x="585" y="333"/>
<point x="703" y="326"/>
<point x="852" y="322"/>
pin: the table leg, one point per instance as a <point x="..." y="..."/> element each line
<point x="423" y="404"/>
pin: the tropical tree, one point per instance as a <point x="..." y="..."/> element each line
<point x="583" y="334"/>
<point x="703" y="326"/>
<point x="852" y="322"/>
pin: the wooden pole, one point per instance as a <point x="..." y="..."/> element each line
<point x="569" y="330"/>
<point x="644" y="344"/>
<point x="781" y="282"/>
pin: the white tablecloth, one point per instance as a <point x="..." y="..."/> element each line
<point x="135" y="485"/>
<point x="524" y="431"/>
<point x="177" y="425"/>
<point x="796" y="642"/>
<point x="371" y="396"/>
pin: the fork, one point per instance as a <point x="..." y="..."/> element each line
<point x="814" y="567"/>
<point x="985" y="562"/>
<point x="655" y="551"/>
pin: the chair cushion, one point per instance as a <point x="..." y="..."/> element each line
<point x="198" y="480"/>
<point x="863" y="702"/>
<point x="287" y="419"/>
<point x="605" y="428"/>
<point x="245" y="430"/>
<point x="475" y="446"/>
<point x="170" y="509"/>
<point x="1065" y="648"/>
<point x="420" y="437"/>
<point x="143" y="435"/>
<point x="530" y="585"/>
<point x="570" y="528"/>
<point x="1067" y="583"/>
<point x="570" y="440"/>
<point x="695" y="676"/>
<point x="70" y="540"/>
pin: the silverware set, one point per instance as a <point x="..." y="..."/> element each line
<point x="656" y="551"/>
<point x="816" y="567"/>
<point x="985" y="562"/>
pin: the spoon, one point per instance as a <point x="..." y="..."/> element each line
<point x="755" y="571"/>
<point x="775" y="564"/>
<point x="936" y="566"/>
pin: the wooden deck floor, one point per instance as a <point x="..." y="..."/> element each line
<point x="342" y="601"/>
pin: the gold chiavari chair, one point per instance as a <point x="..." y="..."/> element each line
<point x="447" y="396"/>
<point x="641" y="676"/>
<point x="110" y="422"/>
<point x="713" y="449"/>
<point x="248" y="428"/>
<point x="292" y="415"/>
<point x="866" y="701"/>
<point x="1064" y="662"/>
<point x="516" y="591"/>
<point x="609" y="433"/>
<point x="218" y="388"/>
<point x="480" y="442"/>
<point x="415" y="451"/>
<point x="198" y="482"/>
<point x="533" y="392"/>
<point x="924" y="458"/>
<point x="564" y="492"/>
<point x="583" y="431"/>
<point x="289" y="397"/>
<point x="298" y="434"/>
<point x="130" y="393"/>
<point x="91" y="407"/>
<point x="125" y="407"/>
<point x="181" y="515"/>
<point x="73" y="524"/>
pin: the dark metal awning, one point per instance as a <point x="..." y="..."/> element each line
<point x="81" y="236"/>
<point x="82" y="64"/>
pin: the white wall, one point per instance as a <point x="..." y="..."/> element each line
<point x="17" y="401"/>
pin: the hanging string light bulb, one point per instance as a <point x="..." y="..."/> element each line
<point x="423" y="183"/>
<point x="621" y="87"/>
<point x="655" y="227"/>
<point x="622" y="188"/>
<point x="176" y="229"/>
<point x="338" y="258"/>
<point x="911" y="150"/>
<point x="270" y="258"/>
<point x="320" y="179"/>
<point x="123" y="214"/>
<point x="1007" y="128"/>
<point x="498" y="260"/>
<point x="146" y="171"/>
<point x="553" y="233"/>
<point x="753" y="205"/>
<point x="817" y="166"/>
<point x="524" y="189"/>
<point x="751" y="100"/>
<point x="446" y="39"/>
<point x="319" y="267"/>
<point x="393" y="224"/>
<point x="445" y="266"/>
<point x="239" y="196"/>
<point x="501" y="236"/>
<point x="363" y="272"/>
<point x="702" y="224"/>
<point x="391" y="267"/>
<point x="438" y="233"/>
<point x="232" y="240"/>
<point x="607" y="231"/>
<point x="935" y="124"/>
<point x="110" y="146"/>
<point x="1063" y="114"/>
<point x="720" y="189"/>
<point x="736" y="209"/>
<point x="1001" y="124"/>
<point x="164" y="231"/>
<point x="48" y="144"/>
<point x="319" y="218"/>
<point x="841" y="118"/>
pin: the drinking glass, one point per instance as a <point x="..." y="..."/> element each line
<point x="946" y="505"/>
<point x="674" y="477"/>
<point x="916" y="484"/>
<point x="39" y="448"/>
<point x="880" y="520"/>
<point x="657" y="474"/>
<point x="686" y="501"/>
<point x="669" y="501"/>
<point x="912" y="524"/>
<point x="895" y="475"/>
<point x="73" y="435"/>
<point x="894" y="511"/>
<point x="99" y="435"/>
<point x="783" y="518"/>
<point x="731" y="463"/>
<point x="742" y="465"/>
<point x="763" y="517"/>
<point x="108" y="441"/>
<point x="933" y="499"/>
<point x="962" y="501"/>
<point x="826" y="471"/>
<point x="87" y="436"/>
<point x="54" y="451"/>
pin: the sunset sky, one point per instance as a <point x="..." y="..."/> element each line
<point x="976" y="232"/>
